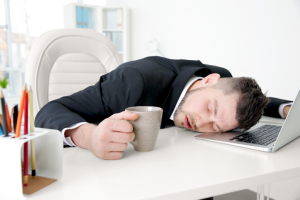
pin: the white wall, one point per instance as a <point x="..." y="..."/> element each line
<point x="257" y="38"/>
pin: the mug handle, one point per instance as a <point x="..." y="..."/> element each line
<point x="133" y="142"/>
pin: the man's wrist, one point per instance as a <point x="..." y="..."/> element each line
<point x="281" y="107"/>
<point x="286" y="110"/>
<point x="81" y="135"/>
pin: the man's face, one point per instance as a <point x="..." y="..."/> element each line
<point x="207" y="109"/>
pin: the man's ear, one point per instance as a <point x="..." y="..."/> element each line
<point x="210" y="79"/>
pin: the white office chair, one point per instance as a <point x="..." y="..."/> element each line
<point x="62" y="62"/>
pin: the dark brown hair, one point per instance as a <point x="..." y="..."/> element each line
<point x="251" y="103"/>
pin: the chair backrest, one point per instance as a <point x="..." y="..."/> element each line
<point x="62" y="62"/>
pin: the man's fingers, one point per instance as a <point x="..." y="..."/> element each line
<point x="113" y="135"/>
<point x="113" y="146"/>
<point x="125" y="115"/>
<point x="122" y="137"/>
<point x="118" y="125"/>
<point x="113" y="155"/>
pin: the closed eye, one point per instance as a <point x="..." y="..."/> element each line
<point x="208" y="108"/>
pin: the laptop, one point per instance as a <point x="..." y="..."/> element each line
<point x="262" y="136"/>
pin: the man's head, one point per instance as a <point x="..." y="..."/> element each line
<point x="216" y="104"/>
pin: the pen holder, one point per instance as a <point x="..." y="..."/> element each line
<point x="49" y="152"/>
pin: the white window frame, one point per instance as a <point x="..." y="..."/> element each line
<point x="7" y="26"/>
<point x="9" y="68"/>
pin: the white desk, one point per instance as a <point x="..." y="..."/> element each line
<point x="180" y="168"/>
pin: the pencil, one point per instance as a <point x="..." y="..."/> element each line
<point x="19" y="121"/>
<point x="5" y="129"/>
<point x="30" y="105"/>
<point x="8" y="118"/>
<point x="26" y="143"/>
<point x="32" y="143"/>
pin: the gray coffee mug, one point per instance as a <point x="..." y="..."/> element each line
<point x="146" y="127"/>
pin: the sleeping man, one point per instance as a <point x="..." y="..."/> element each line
<point x="196" y="96"/>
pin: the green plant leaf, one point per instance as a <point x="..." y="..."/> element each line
<point x="4" y="83"/>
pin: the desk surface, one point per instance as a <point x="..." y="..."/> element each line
<point x="180" y="167"/>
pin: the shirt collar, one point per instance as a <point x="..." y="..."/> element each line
<point x="186" y="87"/>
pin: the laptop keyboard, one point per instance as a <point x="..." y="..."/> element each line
<point x="263" y="135"/>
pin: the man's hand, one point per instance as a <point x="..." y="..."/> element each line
<point x="286" y="111"/>
<point x="112" y="135"/>
<point x="109" y="138"/>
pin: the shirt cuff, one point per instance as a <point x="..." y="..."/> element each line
<point x="280" y="109"/>
<point x="68" y="140"/>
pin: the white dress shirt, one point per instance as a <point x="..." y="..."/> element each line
<point x="185" y="89"/>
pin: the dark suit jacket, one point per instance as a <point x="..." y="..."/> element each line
<point x="151" y="81"/>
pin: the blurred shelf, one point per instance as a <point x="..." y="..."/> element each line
<point x="111" y="30"/>
<point x="11" y="69"/>
<point x="112" y="21"/>
<point x="12" y="96"/>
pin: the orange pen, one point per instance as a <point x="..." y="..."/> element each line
<point x="8" y="118"/>
<point x="19" y="122"/>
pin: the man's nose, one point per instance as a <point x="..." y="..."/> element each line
<point x="201" y="120"/>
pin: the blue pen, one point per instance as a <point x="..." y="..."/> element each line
<point x="1" y="132"/>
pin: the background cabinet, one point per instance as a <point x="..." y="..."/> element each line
<point x="82" y="17"/>
<point x="112" y="21"/>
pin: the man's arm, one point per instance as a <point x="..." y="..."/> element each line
<point x="93" y="105"/>
<point x="272" y="109"/>
<point x="83" y="106"/>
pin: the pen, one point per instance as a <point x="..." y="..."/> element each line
<point x="8" y="118"/>
<point x="5" y="128"/>
<point x="14" y="114"/>
<point x="1" y="131"/>
<point x="19" y="122"/>
<point x="1" y="121"/>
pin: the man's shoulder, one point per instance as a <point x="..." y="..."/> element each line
<point x="160" y="64"/>
<point x="148" y="67"/>
<point x="155" y="65"/>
